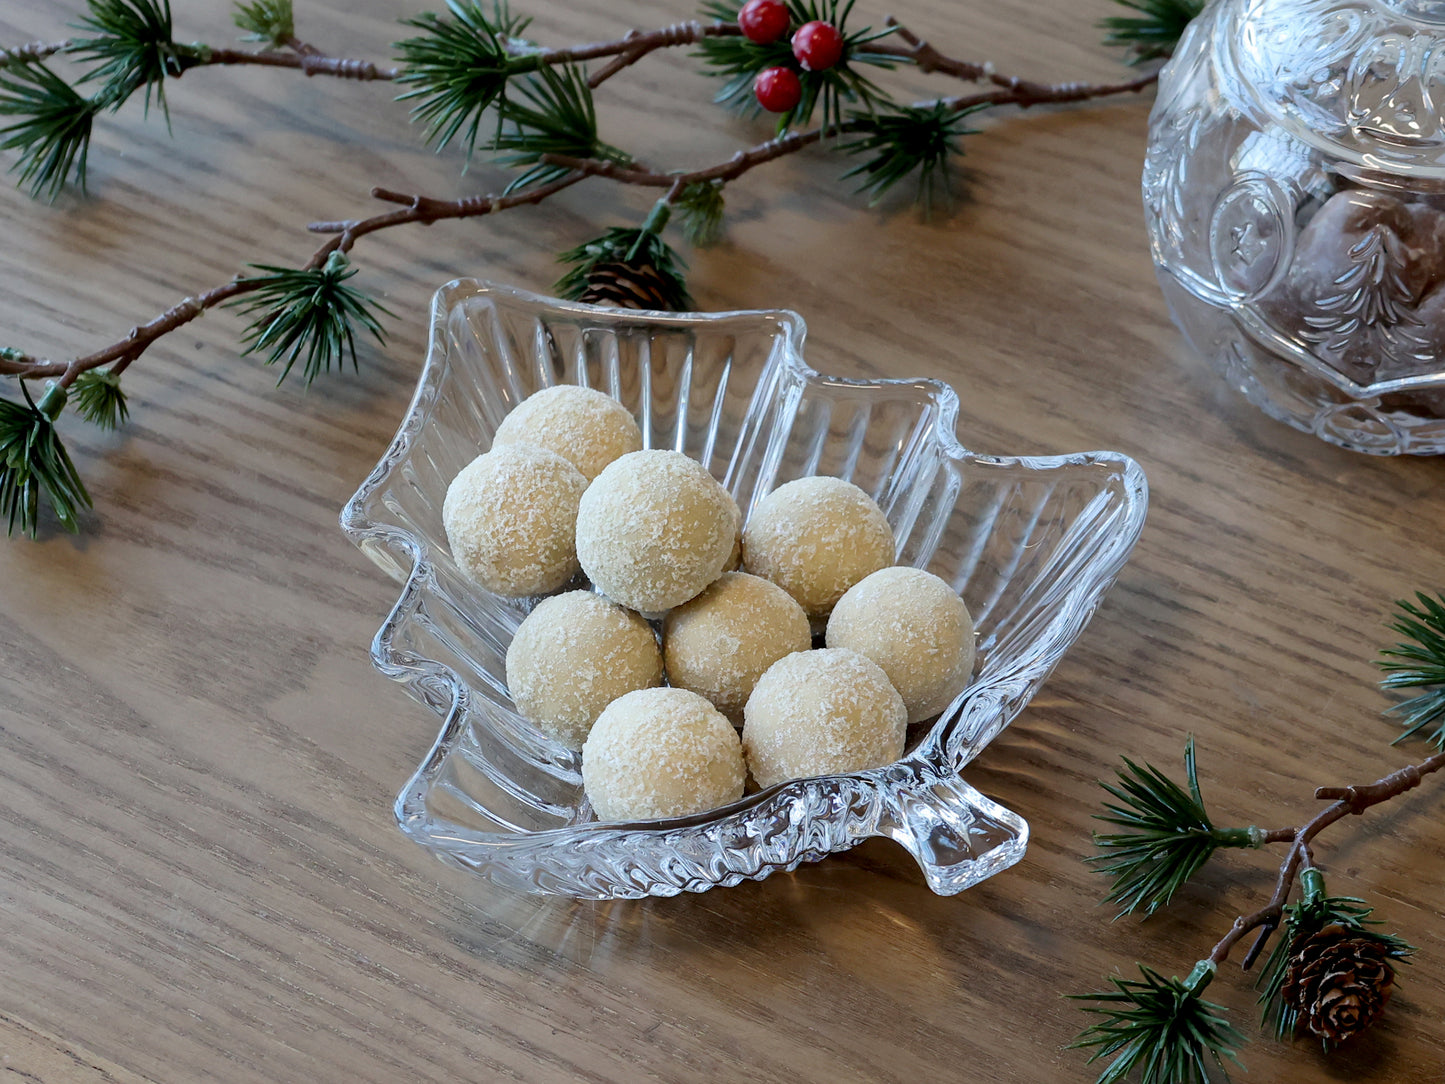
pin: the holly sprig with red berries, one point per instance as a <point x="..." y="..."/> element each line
<point x="475" y="83"/>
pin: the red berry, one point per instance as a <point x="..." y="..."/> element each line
<point x="778" y="89"/>
<point x="818" y="45"/>
<point x="763" y="21"/>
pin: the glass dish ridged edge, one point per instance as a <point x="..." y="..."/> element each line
<point x="1032" y="543"/>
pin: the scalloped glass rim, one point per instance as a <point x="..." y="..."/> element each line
<point x="957" y="835"/>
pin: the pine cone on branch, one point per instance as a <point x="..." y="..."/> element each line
<point x="629" y="268"/>
<point x="1339" y="980"/>
<point x="628" y="286"/>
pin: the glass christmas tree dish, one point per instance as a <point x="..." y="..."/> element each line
<point x="1031" y="544"/>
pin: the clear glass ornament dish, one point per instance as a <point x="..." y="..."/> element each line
<point x="1294" y="191"/>
<point x="1032" y="544"/>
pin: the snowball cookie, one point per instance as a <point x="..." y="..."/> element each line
<point x="661" y="753"/>
<point x="572" y="656"/>
<point x="511" y="518"/>
<point x="819" y="713"/>
<point x="916" y="628"/>
<point x="654" y="529"/>
<point x="719" y="644"/>
<point x="585" y="427"/>
<point x="815" y="538"/>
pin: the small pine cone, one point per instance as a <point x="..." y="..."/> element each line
<point x="628" y="286"/>
<point x="1339" y="981"/>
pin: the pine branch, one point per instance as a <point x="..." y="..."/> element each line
<point x="1161" y="1028"/>
<point x="700" y="208"/>
<point x="1155" y="31"/>
<point x="99" y="398"/>
<point x="1419" y="662"/>
<point x="134" y="48"/>
<point x="900" y="141"/>
<point x="1167" y="835"/>
<point x="309" y="315"/>
<point x="1323" y="937"/>
<point x="271" y="21"/>
<point x="459" y="67"/>
<point x="34" y="465"/>
<point x="696" y="195"/>
<point x="552" y="113"/>
<point x="53" y="132"/>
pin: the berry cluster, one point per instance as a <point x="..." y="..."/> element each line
<point x="817" y="46"/>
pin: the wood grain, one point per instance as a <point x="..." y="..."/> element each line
<point x="199" y="878"/>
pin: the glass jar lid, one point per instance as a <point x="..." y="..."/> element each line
<point x="1362" y="80"/>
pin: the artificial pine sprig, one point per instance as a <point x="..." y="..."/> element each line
<point x="1167" y="835"/>
<point x="636" y="253"/>
<point x="34" y="464"/>
<point x="1418" y="662"/>
<point x="459" y="67"/>
<point x="271" y="21"/>
<point x="134" y="46"/>
<point x="1155" y="31"/>
<point x="1298" y="922"/>
<point x="700" y="208"/>
<point x="52" y="133"/>
<point x="1161" y="1028"/>
<point x="311" y="316"/>
<point x="899" y="141"/>
<point x="99" y="398"/>
<point x="551" y="112"/>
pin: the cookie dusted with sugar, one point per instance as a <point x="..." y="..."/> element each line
<point x="511" y="519"/>
<point x="815" y="538"/>
<point x="821" y="713"/>
<point x="654" y="529"/>
<point x="585" y="427"/>
<point x="572" y="656"/>
<point x="721" y="642"/>
<point x="661" y="753"/>
<point x="913" y="625"/>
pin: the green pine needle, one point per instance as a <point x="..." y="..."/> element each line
<point x="309" y="315"/>
<point x="700" y="210"/>
<point x="1419" y="662"/>
<point x="1167" y="835"/>
<point x="34" y="465"/>
<point x="1160" y="1028"/>
<point x="459" y="67"/>
<point x="1155" y="31"/>
<point x="621" y="246"/>
<point x="900" y="141"/>
<point x="134" y="48"/>
<point x="271" y="21"/>
<point x="1303" y="919"/>
<point x="99" y="398"/>
<point x="737" y="61"/>
<point x="552" y="112"/>
<point x="52" y="133"/>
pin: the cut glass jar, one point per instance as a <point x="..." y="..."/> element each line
<point x="1294" y="190"/>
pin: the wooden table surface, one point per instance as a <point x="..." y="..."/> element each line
<point x="199" y="874"/>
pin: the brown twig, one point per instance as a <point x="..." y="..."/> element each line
<point x="310" y="62"/>
<point x="421" y="209"/>
<point x="36" y="50"/>
<point x="1346" y="801"/>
